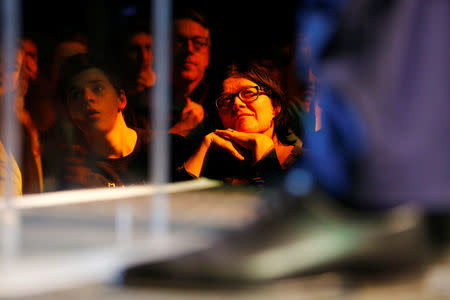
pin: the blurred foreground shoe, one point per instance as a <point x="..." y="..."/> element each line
<point x="310" y="237"/>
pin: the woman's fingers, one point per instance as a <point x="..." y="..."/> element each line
<point x="259" y="144"/>
<point x="228" y="146"/>
<point x="241" y="138"/>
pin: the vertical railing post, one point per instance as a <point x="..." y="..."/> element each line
<point x="10" y="135"/>
<point x="161" y="99"/>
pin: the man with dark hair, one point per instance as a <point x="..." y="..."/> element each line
<point x="191" y="52"/>
<point x="110" y="153"/>
<point x="138" y="75"/>
<point x="138" y="58"/>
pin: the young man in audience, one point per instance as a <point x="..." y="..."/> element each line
<point x="109" y="153"/>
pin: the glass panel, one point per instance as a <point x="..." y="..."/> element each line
<point x="126" y="158"/>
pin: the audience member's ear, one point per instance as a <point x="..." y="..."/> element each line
<point x="276" y="110"/>
<point x="122" y="100"/>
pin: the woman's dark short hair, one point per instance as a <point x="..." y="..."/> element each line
<point x="76" y="64"/>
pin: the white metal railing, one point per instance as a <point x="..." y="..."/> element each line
<point x="10" y="219"/>
<point x="160" y="113"/>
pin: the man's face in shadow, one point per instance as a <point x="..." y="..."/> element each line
<point x="140" y="50"/>
<point x="140" y="59"/>
<point x="191" y="51"/>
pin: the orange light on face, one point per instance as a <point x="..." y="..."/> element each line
<point x="191" y="50"/>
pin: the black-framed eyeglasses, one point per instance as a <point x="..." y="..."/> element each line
<point x="198" y="42"/>
<point x="247" y="95"/>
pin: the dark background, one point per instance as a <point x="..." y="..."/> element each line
<point x="239" y="29"/>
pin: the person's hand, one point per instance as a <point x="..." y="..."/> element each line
<point x="219" y="142"/>
<point x="233" y="142"/>
<point x="257" y="143"/>
<point x="30" y="68"/>
<point x="195" y="163"/>
<point x="191" y="115"/>
<point x="146" y="78"/>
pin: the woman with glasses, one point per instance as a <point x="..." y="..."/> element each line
<point x="254" y="144"/>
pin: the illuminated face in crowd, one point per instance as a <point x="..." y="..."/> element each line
<point x="93" y="103"/>
<point x="191" y="50"/>
<point x="24" y="69"/>
<point x="140" y="51"/>
<point x="243" y="110"/>
<point x="30" y="58"/>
